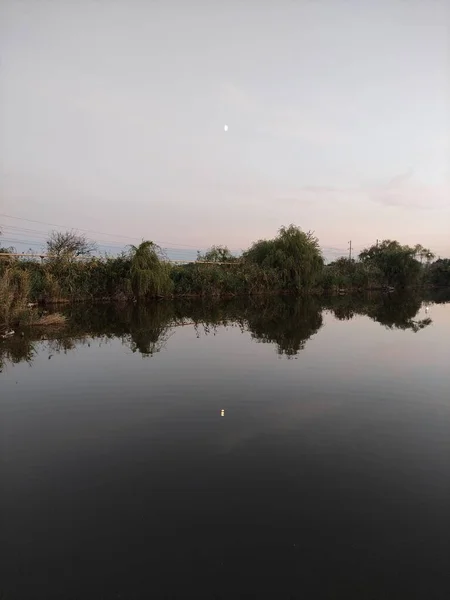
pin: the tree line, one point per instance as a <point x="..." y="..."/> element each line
<point x="290" y="263"/>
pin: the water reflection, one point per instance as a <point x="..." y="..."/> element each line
<point x="438" y="296"/>
<point x="286" y="323"/>
<point x="392" y="311"/>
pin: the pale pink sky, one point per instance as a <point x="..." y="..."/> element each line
<point x="112" y="118"/>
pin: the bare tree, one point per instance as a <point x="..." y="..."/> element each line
<point x="69" y="244"/>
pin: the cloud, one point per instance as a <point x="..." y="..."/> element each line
<point x="401" y="190"/>
<point x="323" y="189"/>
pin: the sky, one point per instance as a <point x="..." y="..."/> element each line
<point x="112" y="117"/>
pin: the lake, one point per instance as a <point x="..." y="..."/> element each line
<point x="265" y="448"/>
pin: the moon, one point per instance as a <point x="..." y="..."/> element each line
<point x="225" y="127"/>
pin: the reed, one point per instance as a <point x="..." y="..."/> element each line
<point x="14" y="294"/>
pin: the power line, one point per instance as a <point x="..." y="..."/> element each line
<point x="165" y="245"/>
<point x="31" y="243"/>
<point x="117" y="244"/>
<point x="41" y="236"/>
<point x="93" y="231"/>
<point x="16" y="238"/>
<point x="183" y="256"/>
<point x="101" y="243"/>
<point x="39" y="242"/>
<point x="17" y="235"/>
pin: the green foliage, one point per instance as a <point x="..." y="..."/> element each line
<point x="291" y="262"/>
<point x="14" y="292"/>
<point x="396" y="263"/>
<point x="150" y="277"/>
<point x="344" y="273"/>
<point x="217" y="254"/>
<point x="9" y="250"/>
<point x="438" y="273"/>
<point x="236" y="279"/>
<point x="293" y="254"/>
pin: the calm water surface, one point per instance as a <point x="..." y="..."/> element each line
<point x="266" y="449"/>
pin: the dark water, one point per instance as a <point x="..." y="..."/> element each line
<point x="328" y="475"/>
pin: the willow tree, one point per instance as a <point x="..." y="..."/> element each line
<point x="294" y="254"/>
<point x="397" y="263"/>
<point x="150" y="276"/>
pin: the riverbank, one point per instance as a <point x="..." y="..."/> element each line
<point x="19" y="311"/>
<point x="290" y="264"/>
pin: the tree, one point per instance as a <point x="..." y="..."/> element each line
<point x="346" y="272"/>
<point x="439" y="273"/>
<point x="216" y="254"/>
<point x="396" y="263"/>
<point x="69" y="244"/>
<point x="150" y="276"/>
<point x="293" y="254"/>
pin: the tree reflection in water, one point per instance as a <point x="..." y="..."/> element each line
<point x="394" y="311"/>
<point x="286" y="322"/>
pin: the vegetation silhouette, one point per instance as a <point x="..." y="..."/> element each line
<point x="287" y="323"/>
<point x="293" y="254"/>
<point x="283" y="321"/>
<point x="438" y="296"/>
<point x="393" y="311"/>
<point x="290" y="263"/>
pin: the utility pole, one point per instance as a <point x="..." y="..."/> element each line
<point x="377" y="242"/>
<point x="350" y="250"/>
